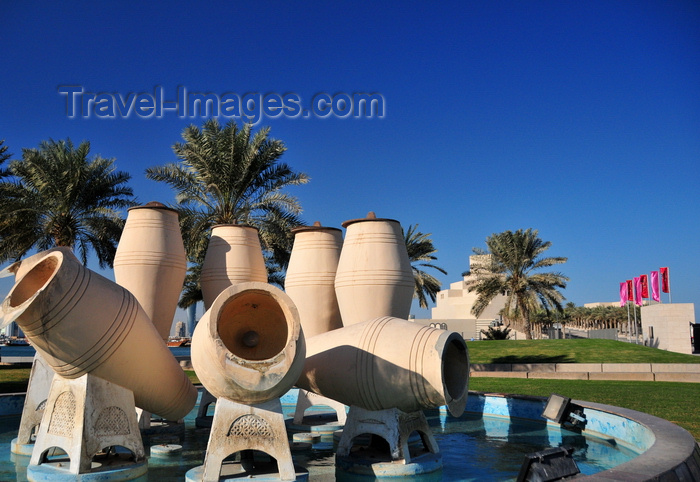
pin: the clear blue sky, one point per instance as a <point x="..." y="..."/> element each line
<point x="579" y="119"/>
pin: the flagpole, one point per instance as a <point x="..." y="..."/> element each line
<point x="628" y="321"/>
<point x="636" y="335"/>
<point x="668" y="275"/>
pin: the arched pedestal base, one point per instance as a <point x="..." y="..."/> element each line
<point x="162" y="432"/>
<point x="21" y="449"/>
<point x="34" y="402"/>
<point x="427" y="466"/>
<point x="116" y="469"/>
<point x="234" y="471"/>
<point x="203" y="420"/>
<point x="308" y="399"/>
<point x="388" y="454"/>
<point x="86" y="419"/>
<point x="245" y="428"/>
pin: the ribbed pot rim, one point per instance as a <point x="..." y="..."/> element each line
<point x="370" y="218"/>
<point x="21" y="306"/>
<point x="319" y="228"/>
<point x="154" y="205"/>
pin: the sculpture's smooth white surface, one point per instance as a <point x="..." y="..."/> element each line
<point x="82" y="323"/>
<point x="389" y="363"/>
<point x="310" y="278"/>
<point x="234" y="255"/>
<point x="249" y="346"/>
<point x="374" y="276"/>
<point x="151" y="263"/>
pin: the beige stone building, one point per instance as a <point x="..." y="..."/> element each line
<point x="453" y="310"/>
<point x="667" y="326"/>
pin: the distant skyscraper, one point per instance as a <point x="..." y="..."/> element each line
<point x="191" y="317"/>
<point x="13" y="329"/>
<point x="181" y="329"/>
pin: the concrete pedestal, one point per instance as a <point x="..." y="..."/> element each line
<point x="165" y="450"/>
<point x="308" y="399"/>
<point x="37" y="392"/>
<point x="87" y="418"/>
<point x="395" y="427"/>
<point x="232" y="471"/>
<point x="237" y="427"/>
<point x="203" y="420"/>
<point x="158" y="431"/>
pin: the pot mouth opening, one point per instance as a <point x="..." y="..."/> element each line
<point x="319" y="228"/>
<point x="153" y="205"/>
<point x="371" y="216"/>
<point x="35" y="280"/>
<point x="253" y="326"/>
<point x="455" y="373"/>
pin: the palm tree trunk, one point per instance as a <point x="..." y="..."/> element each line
<point x="526" y="319"/>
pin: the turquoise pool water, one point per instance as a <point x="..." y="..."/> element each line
<point x="493" y="448"/>
<point x="473" y="447"/>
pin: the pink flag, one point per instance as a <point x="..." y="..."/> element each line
<point x="645" y="285"/>
<point x="654" y="279"/>
<point x="638" y="291"/>
<point x="630" y="290"/>
<point x="623" y="293"/>
<point x="665" y="282"/>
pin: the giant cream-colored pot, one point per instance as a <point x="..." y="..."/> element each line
<point x="151" y="263"/>
<point x="310" y="278"/>
<point x="234" y="255"/>
<point x="81" y="322"/>
<point x="389" y="363"/>
<point x="249" y="346"/>
<point x="374" y="276"/>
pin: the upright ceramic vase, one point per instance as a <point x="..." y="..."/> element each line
<point x="234" y="255"/>
<point x="310" y="278"/>
<point x="151" y="263"/>
<point x="81" y="322"/>
<point x="389" y="363"/>
<point x="249" y="346"/>
<point x="374" y="276"/>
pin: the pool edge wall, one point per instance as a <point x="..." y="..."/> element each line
<point x="667" y="451"/>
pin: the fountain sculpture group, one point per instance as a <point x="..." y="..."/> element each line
<point x="338" y="332"/>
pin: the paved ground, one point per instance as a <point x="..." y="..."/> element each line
<point x="650" y="372"/>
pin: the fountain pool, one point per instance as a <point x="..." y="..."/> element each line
<point x="489" y="442"/>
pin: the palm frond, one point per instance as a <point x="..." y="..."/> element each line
<point x="57" y="195"/>
<point x="510" y="265"/>
<point x="227" y="174"/>
<point x="420" y="248"/>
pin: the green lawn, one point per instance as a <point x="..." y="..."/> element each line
<point x="13" y="378"/>
<point x="676" y="402"/>
<point x="192" y="376"/>
<point x="570" y="351"/>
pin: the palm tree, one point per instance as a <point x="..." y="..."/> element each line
<point x="57" y="196"/>
<point x="191" y="290"/>
<point x="496" y="333"/>
<point x="420" y="249"/>
<point x="228" y="174"/>
<point x="4" y="155"/>
<point x="511" y="267"/>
